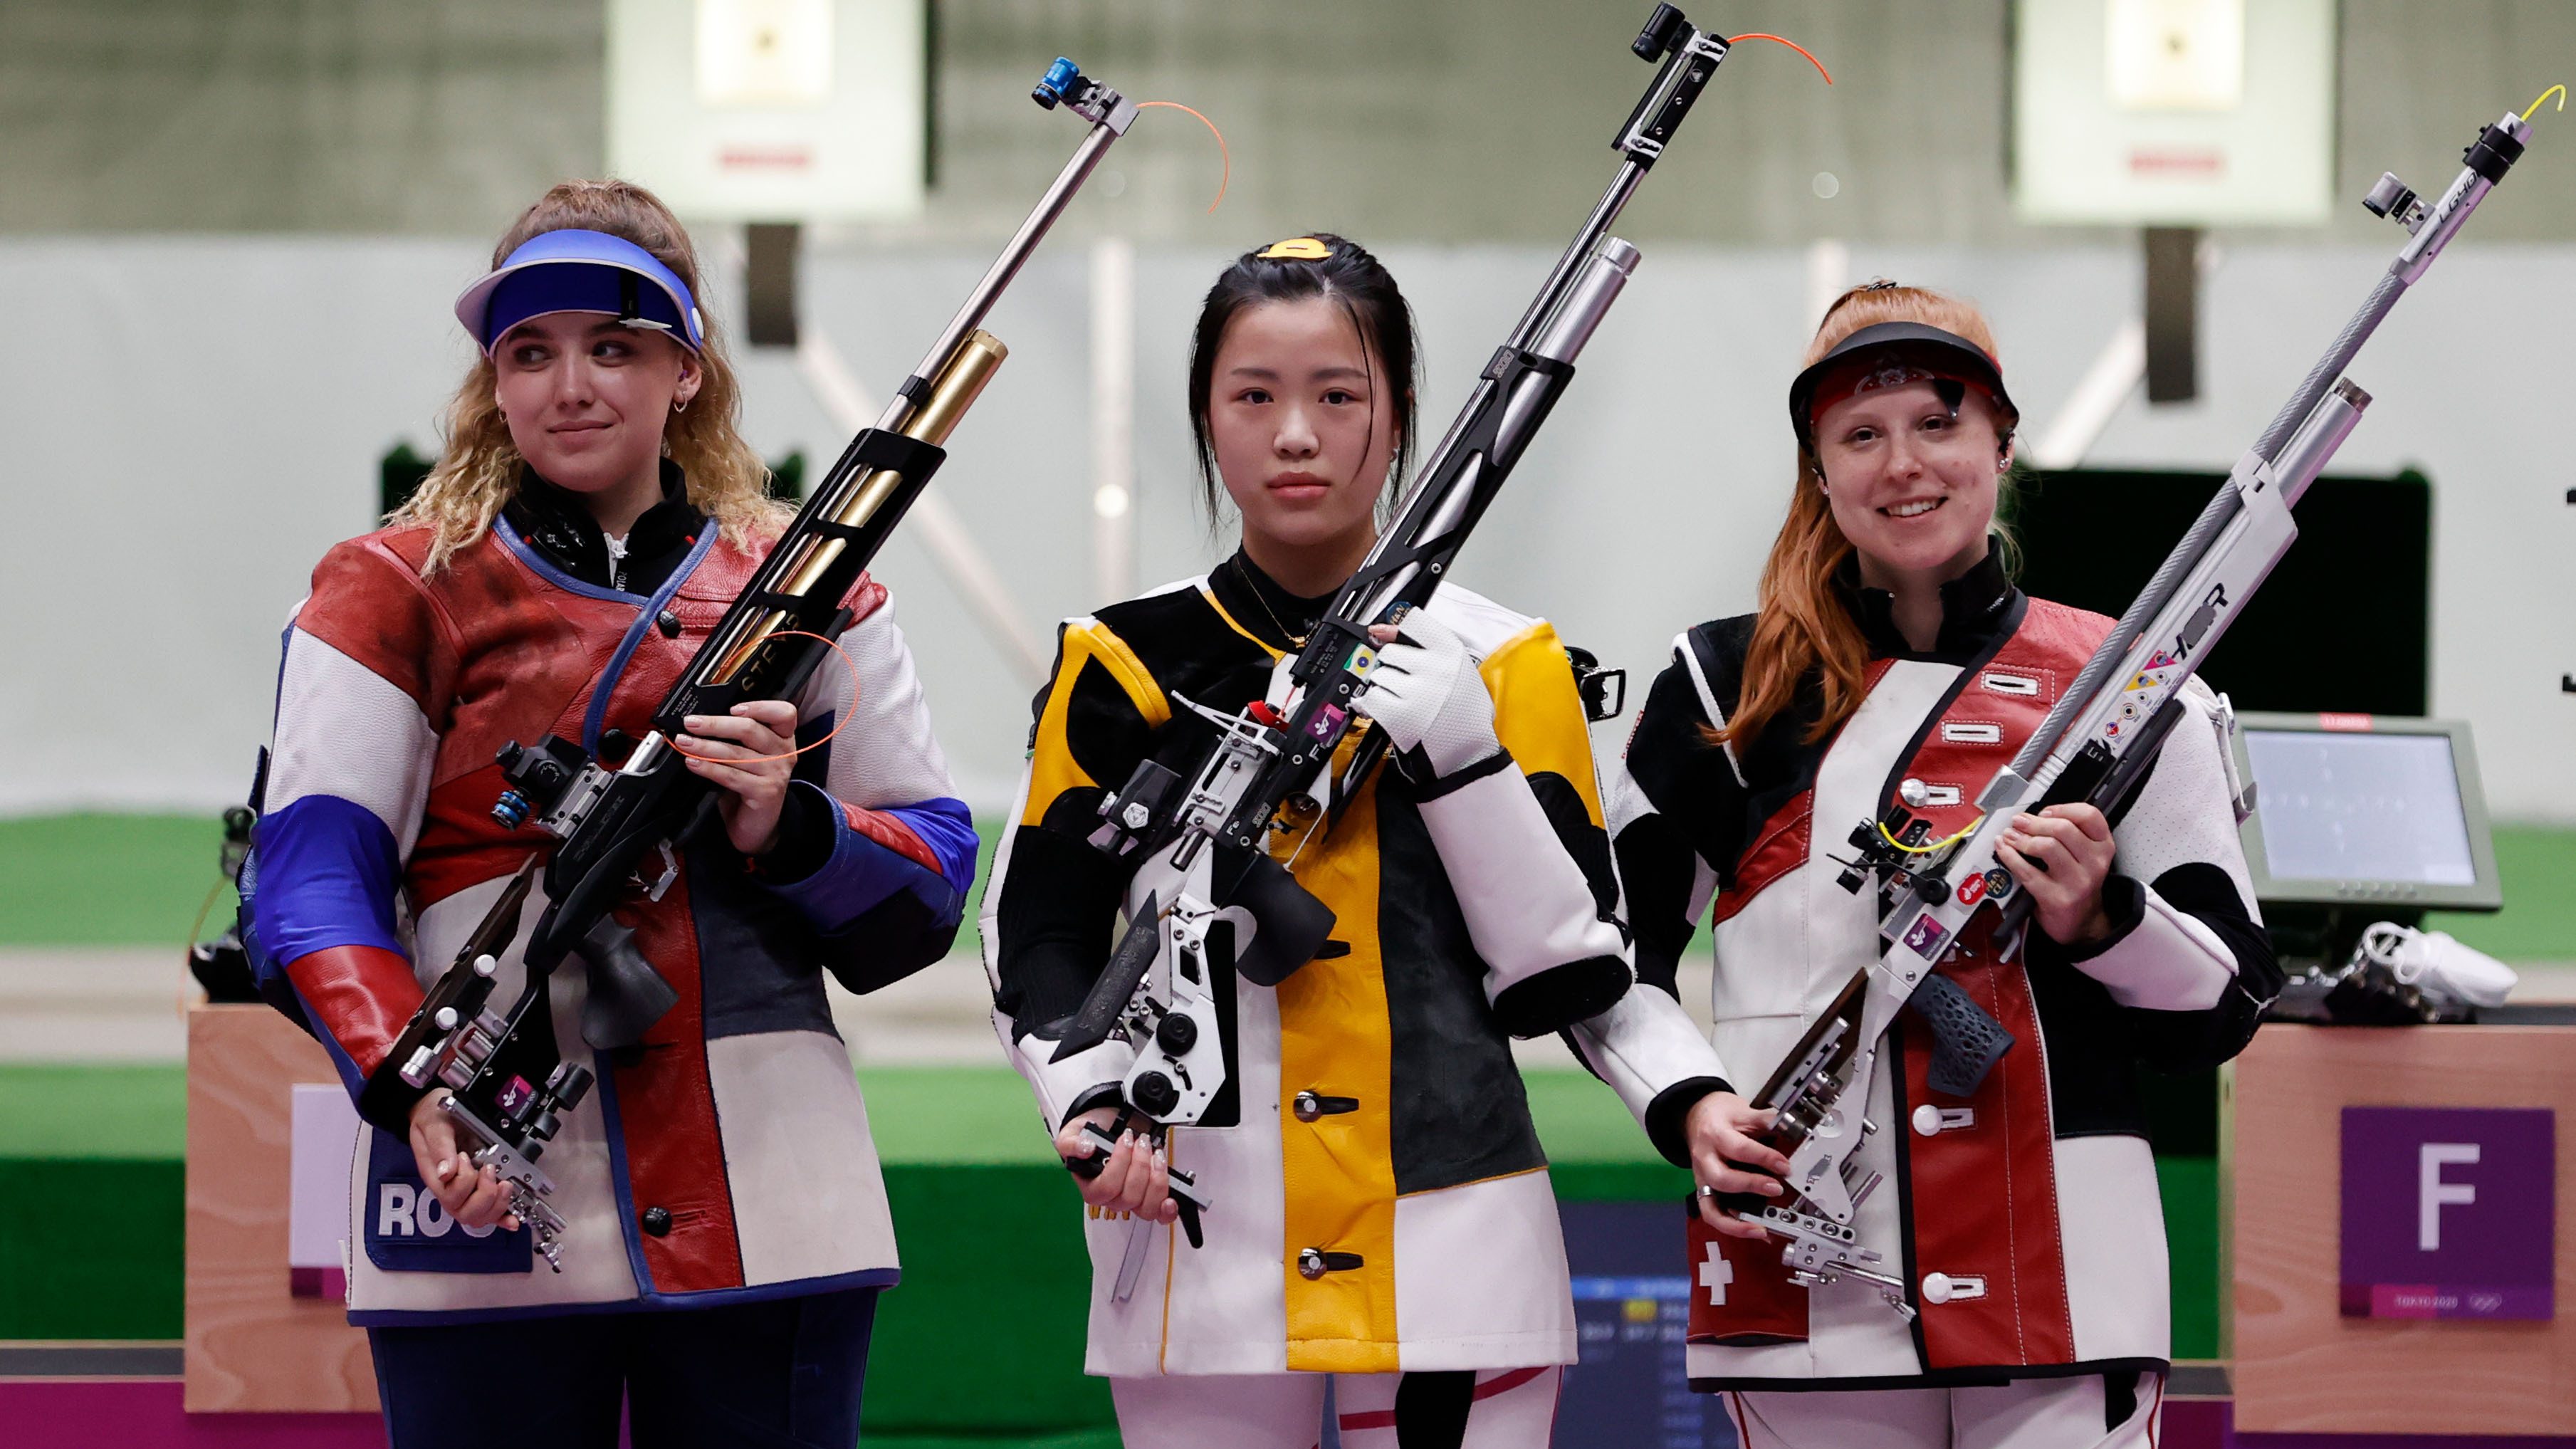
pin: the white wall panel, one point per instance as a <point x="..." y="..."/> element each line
<point x="185" y="425"/>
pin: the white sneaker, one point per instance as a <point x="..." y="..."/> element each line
<point x="2436" y="964"/>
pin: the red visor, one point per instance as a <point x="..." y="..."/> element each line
<point x="1880" y="373"/>
<point x="1892" y="354"/>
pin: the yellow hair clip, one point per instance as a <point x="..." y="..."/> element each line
<point x="1295" y="249"/>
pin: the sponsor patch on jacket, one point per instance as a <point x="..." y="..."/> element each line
<point x="408" y="1231"/>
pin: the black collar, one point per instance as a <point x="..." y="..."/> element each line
<point x="559" y="525"/>
<point x="1269" y="612"/>
<point x="1973" y="607"/>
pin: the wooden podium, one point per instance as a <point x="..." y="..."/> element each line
<point x="252" y="1344"/>
<point x="2301" y="1367"/>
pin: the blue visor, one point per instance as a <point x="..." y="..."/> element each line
<point x="580" y="271"/>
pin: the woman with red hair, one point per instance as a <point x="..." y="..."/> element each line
<point x="1894" y="667"/>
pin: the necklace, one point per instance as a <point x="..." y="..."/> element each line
<point x="1295" y="640"/>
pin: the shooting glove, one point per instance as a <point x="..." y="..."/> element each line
<point x="1427" y="695"/>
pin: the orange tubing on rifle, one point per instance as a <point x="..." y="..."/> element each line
<point x="837" y="725"/>
<point x="1224" y="155"/>
<point x="1793" y="45"/>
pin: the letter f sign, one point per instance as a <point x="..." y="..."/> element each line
<point x="2432" y="1194"/>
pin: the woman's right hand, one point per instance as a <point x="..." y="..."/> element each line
<point x="1134" y="1179"/>
<point x="1720" y="1130"/>
<point x="475" y="1197"/>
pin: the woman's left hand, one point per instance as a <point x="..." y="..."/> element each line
<point x="2061" y="856"/>
<point x="750" y="755"/>
<point x="1427" y="695"/>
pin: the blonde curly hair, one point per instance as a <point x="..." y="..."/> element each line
<point x="478" y="466"/>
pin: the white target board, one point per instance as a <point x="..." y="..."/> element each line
<point x="770" y="110"/>
<point x="2173" y="112"/>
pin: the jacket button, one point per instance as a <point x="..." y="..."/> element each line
<point x="657" y="1221"/>
<point x="668" y="623"/>
<point x="1308" y="1107"/>
<point x="1310" y="1264"/>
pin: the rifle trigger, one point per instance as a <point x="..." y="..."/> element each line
<point x="670" y="873"/>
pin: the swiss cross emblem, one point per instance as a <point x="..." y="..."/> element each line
<point x="1715" y="1274"/>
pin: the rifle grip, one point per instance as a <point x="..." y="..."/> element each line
<point x="1966" y="1042"/>
<point x="1746" y="1205"/>
<point x="626" y="994"/>
<point x="1749" y="1205"/>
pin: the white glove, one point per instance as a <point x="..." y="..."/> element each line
<point x="1426" y="694"/>
<point x="2438" y="965"/>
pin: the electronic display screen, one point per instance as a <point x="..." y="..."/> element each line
<point x="2360" y="807"/>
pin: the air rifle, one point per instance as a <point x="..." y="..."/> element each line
<point x="617" y="831"/>
<point x="1270" y="770"/>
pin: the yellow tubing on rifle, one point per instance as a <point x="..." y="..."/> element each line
<point x="1969" y="829"/>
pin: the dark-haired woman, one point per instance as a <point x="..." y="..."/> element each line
<point x="1382" y="1216"/>
<point x="1894" y="665"/>
<point x="593" y="514"/>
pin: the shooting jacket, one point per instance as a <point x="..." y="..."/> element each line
<point x="1373" y="1112"/>
<point x="2023" y="1220"/>
<point x="726" y="1158"/>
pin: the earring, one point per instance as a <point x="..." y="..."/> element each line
<point x="681" y="406"/>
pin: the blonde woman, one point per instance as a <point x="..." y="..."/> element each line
<point x="593" y="514"/>
<point x="1893" y="665"/>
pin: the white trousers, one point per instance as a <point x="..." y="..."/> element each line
<point x="2071" y="1413"/>
<point x="1491" y="1409"/>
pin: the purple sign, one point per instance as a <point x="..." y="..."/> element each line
<point x="2449" y="1212"/>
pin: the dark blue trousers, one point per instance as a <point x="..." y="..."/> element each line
<point x="783" y="1374"/>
